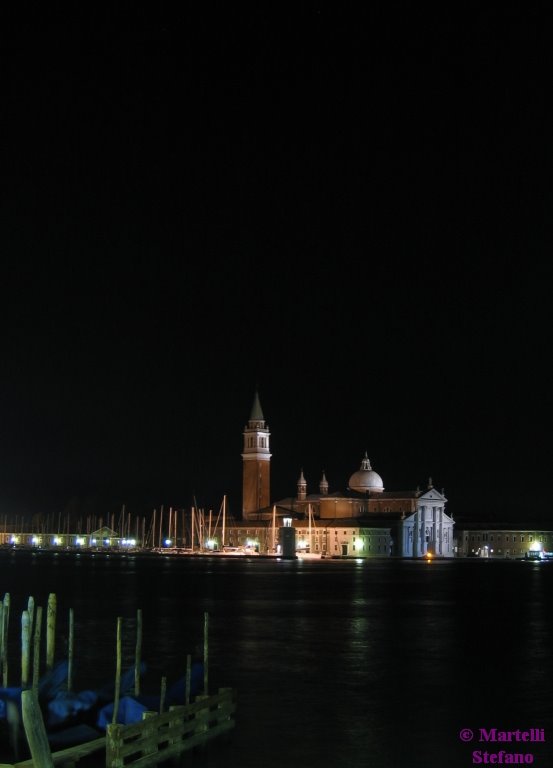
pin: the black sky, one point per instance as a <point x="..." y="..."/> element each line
<point x="352" y="212"/>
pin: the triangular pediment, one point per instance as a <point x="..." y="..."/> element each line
<point x="432" y="494"/>
<point x="105" y="533"/>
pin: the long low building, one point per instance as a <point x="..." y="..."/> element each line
<point x="496" y="540"/>
<point x="103" y="538"/>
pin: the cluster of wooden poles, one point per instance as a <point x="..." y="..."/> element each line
<point x="31" y="631"/>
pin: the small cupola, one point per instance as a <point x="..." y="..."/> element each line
<point x="302" y="487"/>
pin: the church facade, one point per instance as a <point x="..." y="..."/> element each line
<point x="364" y="521"/>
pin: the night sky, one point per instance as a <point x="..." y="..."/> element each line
<point x="349" y="211"/>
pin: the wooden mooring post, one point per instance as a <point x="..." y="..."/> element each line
<point x="70" y="650"/>
<point x="25" y="648"/>
<point x="5" y="626"/>
<point x="187" y="679"/>
<point x="35" y="730"/>
<point x="51" y="631"/>
<point x="36" y="648"/>
<point x="1" y="634"/>
<point x="206" y="652"/>
<point x="117" y="671"/>
<point x="138" y="652"/>
<point x="162" y="694"/>
<point x="31" y="609"/>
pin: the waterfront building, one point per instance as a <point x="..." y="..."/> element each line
<point x="364" y="521"/>
<point x="104" y="538"/>
<point x="504" y="541"/>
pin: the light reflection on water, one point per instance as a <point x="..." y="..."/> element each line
<point x="336" y="663"/>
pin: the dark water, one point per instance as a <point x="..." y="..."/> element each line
<point x="336" y="663"/>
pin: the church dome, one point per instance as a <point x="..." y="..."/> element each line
<point x="366" y="480"/>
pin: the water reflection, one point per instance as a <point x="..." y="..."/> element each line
<point x="336" y="663"/>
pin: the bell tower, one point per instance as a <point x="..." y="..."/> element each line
<point x="256" y="462"/>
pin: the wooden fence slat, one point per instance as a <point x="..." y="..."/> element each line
<point x="114" y="743"/>
<point x="70" y="755"/>
<point x="149" y="732"/>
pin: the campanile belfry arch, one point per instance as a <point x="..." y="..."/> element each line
<point x="256" y="461"/>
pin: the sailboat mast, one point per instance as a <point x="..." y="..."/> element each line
<point x="274" y="527"/>
<point x="224" y="520"/>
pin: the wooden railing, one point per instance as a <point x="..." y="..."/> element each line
<point x="161" y="737"/>
<point x="157" y="738"/>
<point x="67" y="758"/>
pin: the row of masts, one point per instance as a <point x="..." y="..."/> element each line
<point x="173" y="527"/>
<point x="199" y="529"/>
<point x="170" y="529"/>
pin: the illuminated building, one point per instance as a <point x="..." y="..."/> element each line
<point x="504" y="541"/>
<point x="365" y="521"/>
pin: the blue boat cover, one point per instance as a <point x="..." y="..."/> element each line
<point x="129" y="711"/>
<point x="50" y="684"/>
<point x="54" y="681"/>
<point x="9" y="694"/>
<point x="107" y="692"/>
<point x="66" y="705"/>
